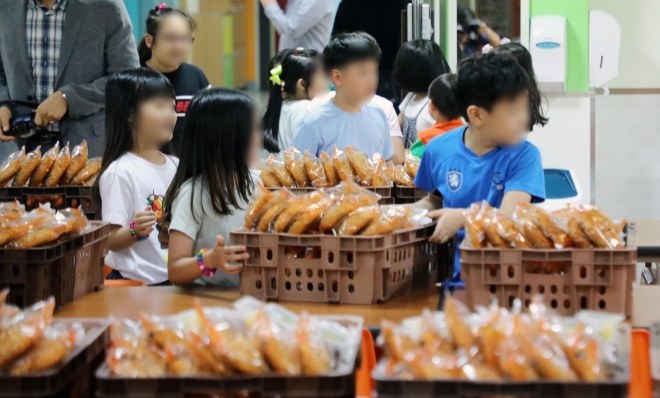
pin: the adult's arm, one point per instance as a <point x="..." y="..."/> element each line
<point x="120" y="54"/>
<point x="307" y="15"/>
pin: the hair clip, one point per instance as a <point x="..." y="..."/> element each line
<point x="161" y="7"/>
<point x="275" y="74"/>
<point x="299" y="50"/>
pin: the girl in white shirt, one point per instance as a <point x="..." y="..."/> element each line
<point x="296" y="80"/>
<point x="212" y="187"/>
<point x="140" y="119"/>
<point x="417" y="64"/>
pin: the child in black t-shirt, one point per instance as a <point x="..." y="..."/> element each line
<point x="165" y="46"/>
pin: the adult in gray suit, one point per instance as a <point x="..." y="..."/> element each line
<point x="58" y="54"/>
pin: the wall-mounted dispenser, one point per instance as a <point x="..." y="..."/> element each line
<point x="547" y="44"/>
<point x="604" y="46"/>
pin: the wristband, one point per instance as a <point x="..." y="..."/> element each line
<point x="131" y="229"/>
<point x="202" y="267"/>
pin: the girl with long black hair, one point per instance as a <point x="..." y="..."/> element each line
<point x="212" y="187"/>
<point x="140" y="118"/>
<point x="297" y="79"/>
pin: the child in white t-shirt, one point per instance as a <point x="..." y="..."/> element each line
<point x="212" y="187"/>
<point x="140" y="119"/>
<point x="417" y="64"/>
<point x="296" y="80"/>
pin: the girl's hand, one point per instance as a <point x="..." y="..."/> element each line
<point x="220" y="256"/>
<point x="449" y="222"/>
<point x="144" y="222"/>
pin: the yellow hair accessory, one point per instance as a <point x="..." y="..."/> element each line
<point x="275" y="74"/>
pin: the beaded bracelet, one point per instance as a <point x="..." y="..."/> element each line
<point x="202" y="267"/>
<point x="131" y="229"/>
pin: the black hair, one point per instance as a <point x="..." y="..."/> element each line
<point x="156" y="15"/>
<point x="524" y="58"/>
<point x="124" y="93"/>
<point x="464" y="15"/>
<point x="218" y="129"/>
<point x="276" y="60"/>
<point x="417" y="64"/>
<point x="296" y="64"/>
<point x="442" y="96"/>
<point x="346" y="48"/>
<point x="484" y="80"/>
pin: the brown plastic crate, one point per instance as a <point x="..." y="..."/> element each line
<point x="72" y="378"/>
<point x="340" y="383"/>
<point x="592" y="279"/>
<point x="386" y="197"/>
<point x="66" y="269"/>
<point x="73" y="196"/>
<point x="351" y="270"/>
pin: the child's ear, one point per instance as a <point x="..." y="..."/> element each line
<point x="432" y="107"/>
<point x="335" y="77"/>
<point x="148" y="40"/>
<point x="475" y="115"/>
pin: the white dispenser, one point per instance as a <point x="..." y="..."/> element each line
<point x="604" y="46"/>
<point x="549" y="52"/>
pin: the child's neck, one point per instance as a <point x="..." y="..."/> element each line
<point x="419" y="96"/>
<point x="476" y="141"/>
<point x="154" y="63"/>
<point x="345" y="104"/>
<point x="148" y="152"/>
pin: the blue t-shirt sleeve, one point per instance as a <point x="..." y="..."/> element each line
<point x="424" y="178"/>
<point x="526" y="174"/>
<point x="306" y="139"/>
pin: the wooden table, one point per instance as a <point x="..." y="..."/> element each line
<point x="129" y="302"/>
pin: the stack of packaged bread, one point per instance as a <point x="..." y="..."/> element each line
<point x="346" y="209"/>
<point x="497" y="345"/>
<point x="57" y="167"/>
<point x="306" y="170"/>
<point x="21" y="229"/>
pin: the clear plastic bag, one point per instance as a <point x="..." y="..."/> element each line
<point x="15" y="229"/>
<point x="57" y="343"/>
<point x="281" y="172"/>
<point x="475" y="236"/>
<point x="276" y="345"/>
<point x="129" y="354"/>
<point x="358" y="219"/>
<point x="11" y="166"/>
<point x="255" y="210"/>
<point x="411" y="165"/>
<point x="350" y="197"/>
<point x="343" y="166"/>
<point x="11" y="211"/>
<point x="267" y="176"/>
<point x="531" y="228"/>
<point x="361" y="164"/>
<point x="64" y="222"/>
<point x="399" y="176"/>
<point x="59" y="167"/>
<point x="46" y="163"/>
<point x="32" y="160"/>
<point x="78" y="161"/>
<point x="379" y="178"/>
<point x="275" y="207"/>
<point x="392" y="219"/>
<point x="567" y="218"/>
<point x="303" y="223"/>
<point x="91" y="169"/>
<point x="294" y="162"/>
<point x="329" y="168"/>
<point x="316" y="171"/>
<point x="315" y="354"/>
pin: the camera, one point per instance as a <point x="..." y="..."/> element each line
<point x="22" y="126"/>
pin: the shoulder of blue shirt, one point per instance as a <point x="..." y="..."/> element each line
<point x="447" y="144"/>
<point x="321" y="111"/>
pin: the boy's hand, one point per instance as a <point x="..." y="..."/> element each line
<point x="144" y="222"/>
<point x="219" y="257"/>
<point x="449" y="222"/>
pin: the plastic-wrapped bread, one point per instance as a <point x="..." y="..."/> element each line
<point x="60" y="166"/>
<point x="20" y="333"/>
<point x="267" y="176"/>
<point x="361" y="164"/>
<point x="412" y="164"/>
<point x="46" y="163"/>
<point x="280" y="202"/>
<point x="48" y="351"/>
<point x="343" y="207"/>
<point x="549" y="225"/>
<point x="343" y="166"/>
<point x="311" y="214"/>
<point x="78" y="161"/>
<point x="531" y="229"/>
<point x="65" y="222"/>
<point x="279" y="348"/>
<point x="316" y="171"/>
<point x="281" y="172"/>
<point x="11" y="166"/>
<point x="262" y="197"/>
<point x="15" y="229"/>
<point x="297" y="206"/>
<point x="293" y="160"/>
<point x="10" y="211"/>
<point x="379" y="178"/>
<point x="91" y="169"/>
<point x="315" y="355"/>
<point x="31" y="162"/>
<point x="357" y="220"/>
<point x="474" y="226"/>
<point x="399" y="176"/>
<point x="456" y="314"/>
<point x="329" y="168"/>
<point x="91" y="181"/>
<point x="391" y="219"/>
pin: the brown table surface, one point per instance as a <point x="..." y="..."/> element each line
<point x="129" y="302"/>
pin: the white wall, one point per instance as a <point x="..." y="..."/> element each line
<point x="565" y="142"/>
<point x="639" y="61"/>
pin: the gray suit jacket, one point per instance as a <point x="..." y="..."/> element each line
<point x="97" y="41"/>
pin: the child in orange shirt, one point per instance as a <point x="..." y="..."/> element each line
<point x="444" y="111"/>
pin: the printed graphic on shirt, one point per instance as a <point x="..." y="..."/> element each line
<point x="156" y="203"/>
<point x="498" y="181"/>
<point x="454" y="180"/>
<point x="182" y="103"/>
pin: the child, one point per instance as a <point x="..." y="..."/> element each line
<point x="164" y="48"/>
<point x="417" y="64"/>
<point x="487" y="160"/>
<point x="134" y="175"/>
<point x="351" y="60"/>
<point x="444" y="111"/>
<point x="212" y="187"/>
<point x="524" y="58"/>
<point x="296" y="81"/>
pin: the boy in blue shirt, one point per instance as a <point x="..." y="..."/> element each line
<point x="351" y="59"/>
<point x="489" y="159"/>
